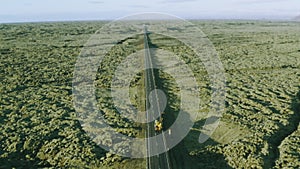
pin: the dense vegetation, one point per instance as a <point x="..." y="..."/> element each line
<point x="259" y="129"/>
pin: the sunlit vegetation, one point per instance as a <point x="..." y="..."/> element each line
<point x="259" y="128"/>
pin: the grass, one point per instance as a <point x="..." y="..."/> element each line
<point x="259" y="129"/>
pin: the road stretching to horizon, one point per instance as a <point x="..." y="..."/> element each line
<point x="160" y="161"/>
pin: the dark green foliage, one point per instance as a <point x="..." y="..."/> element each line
<point x="39" y="127"/>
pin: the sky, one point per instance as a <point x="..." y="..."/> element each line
<point x="61" y="10"/>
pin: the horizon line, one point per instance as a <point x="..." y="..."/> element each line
<point x="109" y="20"/>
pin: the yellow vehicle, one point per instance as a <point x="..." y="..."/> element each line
<point x="158" y="125"/>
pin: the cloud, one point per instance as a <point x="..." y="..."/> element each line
<point x="139" y="6"/>
<point x="259" y="1"/>
<point x="27" y="4"/>
<point x="96" y="2"/>
<point x="177" y="1"/>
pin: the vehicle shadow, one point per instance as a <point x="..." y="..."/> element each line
<point x="283" y="132"/>
<point x="182" y="156"/>
<point x="200" y="155"/>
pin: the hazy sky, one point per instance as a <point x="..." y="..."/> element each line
<point x="52" y="10"/>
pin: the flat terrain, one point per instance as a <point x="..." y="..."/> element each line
<point x="259" y="128"/>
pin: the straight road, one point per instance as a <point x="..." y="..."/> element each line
<point x="160" y="161"/>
